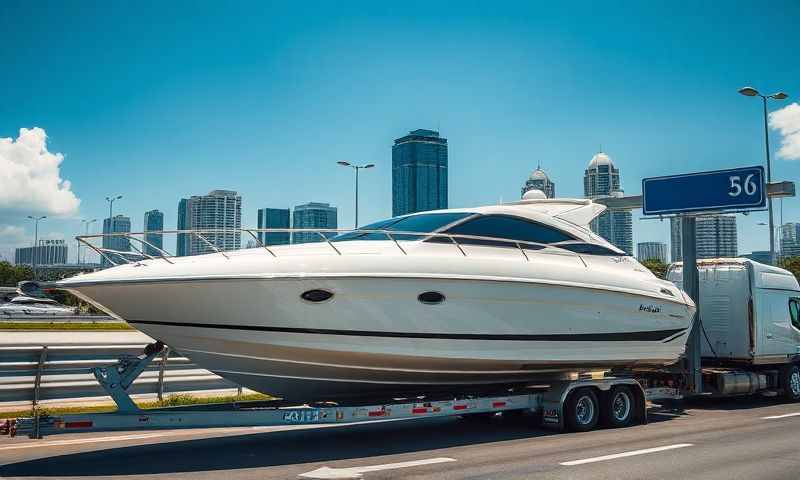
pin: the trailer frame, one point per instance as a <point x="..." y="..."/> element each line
<point x="550" y="401"/>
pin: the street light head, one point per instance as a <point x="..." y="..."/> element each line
<point x="749" y="92"/>
<point x="779" y="96"/>
<point x="118" y="197"/>
<point x="30" y="216"/>
<point x="369" y="165"/>
<point x="343" y="163"/>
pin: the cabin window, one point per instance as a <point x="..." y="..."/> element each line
<point x="316" y="295"/>
<point x="424" y="223"/>
<point x="794" y="312"/>
<point x="431" y="298"/>
<point x="506" y="226"/>
<point x="590" y="249"/>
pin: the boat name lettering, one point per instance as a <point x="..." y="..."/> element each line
<point x="649" y="308"/>
<point x="301" y="416"/>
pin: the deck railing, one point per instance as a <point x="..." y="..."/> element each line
<point x="116" y="257"/>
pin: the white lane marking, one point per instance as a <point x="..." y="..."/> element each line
<point x="358" y="472"/>
<point x="56" y="443"/>
<point x="775" y="417"/>
<point x="626" y="454"/>
<point x="141" y="436"/>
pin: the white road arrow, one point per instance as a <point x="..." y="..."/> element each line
<point x="358" y="472"/>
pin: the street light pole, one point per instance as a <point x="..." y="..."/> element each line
<point x="356" y="168"/>
<point x="752" y="92"/>
<point x="86" y="224"/>
<point x="35" y="253"/>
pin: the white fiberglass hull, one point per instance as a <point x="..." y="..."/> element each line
<point x="374" y="335"/>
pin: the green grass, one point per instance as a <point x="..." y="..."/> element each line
<point x="176" y="400"/>
<point x="65" y="326"/>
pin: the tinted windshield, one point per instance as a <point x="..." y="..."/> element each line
<point x="423" y="223"/>
<point x="505" y="226"/>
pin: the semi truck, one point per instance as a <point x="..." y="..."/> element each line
<point x="749" y="318"/>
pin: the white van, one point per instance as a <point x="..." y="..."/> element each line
<point x="750" y="312"/>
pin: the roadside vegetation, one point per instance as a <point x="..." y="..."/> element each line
<point x="176" y="400"/>
<point x="656" y="266"/>
<point x="64" y="326"/>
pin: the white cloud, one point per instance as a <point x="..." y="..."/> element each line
<point x="30" y="181"/>
<point x="12" y="237"/>
<point x="787" y="121"/>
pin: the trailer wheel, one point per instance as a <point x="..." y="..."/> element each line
<point x="618" y="407"/>
<point x="582" y="410"/>
<point x="790" y="381"/>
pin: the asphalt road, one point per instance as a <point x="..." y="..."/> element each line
<point x="724" y="440"/>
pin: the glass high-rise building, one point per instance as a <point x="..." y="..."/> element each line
<point x="48" y="252"/>
<point x="313" y="215"/>
<point x="651" y="251"/>
<point x="716" y="237"/>
<point x="182" y="244"/>
<point x="218" y="216"/>
<point x="540" y="181"/>
<point x="790" y="239"/>
<point x="153" y="222"/>
<point x="601" y="179"/>
<point x="273" y="218"/>
<point x="117" y="224"/>
<point x="419" y="172"/>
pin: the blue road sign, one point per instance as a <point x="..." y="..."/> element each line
<point x="734" y="189"/>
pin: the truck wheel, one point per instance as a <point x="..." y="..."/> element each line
<point x="618" y="407"/>
<point x="790" y="381"/>
<point x="583" y="410"/>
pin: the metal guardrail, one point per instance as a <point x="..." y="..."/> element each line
<point x="36" y="373"/>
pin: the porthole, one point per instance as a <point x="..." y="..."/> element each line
<point x="316" y="295"/>
<point x="431" y="298"/>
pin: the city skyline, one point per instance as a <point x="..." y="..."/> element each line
<point x="507" y="88"/>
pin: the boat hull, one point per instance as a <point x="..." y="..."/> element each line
<point x="374" y="335"/>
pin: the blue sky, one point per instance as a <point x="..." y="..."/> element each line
<point x="158" y="101"/>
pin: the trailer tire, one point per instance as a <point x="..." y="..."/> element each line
<point x="619" y="407"/>
<point x="790" y="382"/>
<point x="582" y="410"/>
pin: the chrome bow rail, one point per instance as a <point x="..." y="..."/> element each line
<point x="326" y="235"/>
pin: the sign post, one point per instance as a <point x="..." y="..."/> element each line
<point x="737" y="189"/>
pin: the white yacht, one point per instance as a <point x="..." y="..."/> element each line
<point x="461" y="298"/>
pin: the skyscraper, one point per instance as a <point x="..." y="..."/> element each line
<point x="540" y="181"/>
<point x="220" y="214"/>
<point x="313" y="215"/>
<point x="48" y="252"/>
<point x="790" y="240"/>
<point x="601" y="179"/>
<point x="118" y="224"/>
<point x="153" y="222"/>
<point x="651" y="251"/>
<point x="273" y="218"/>
<point x="182" y="244"/>
<point x="716" y="237"/>
<point x="419" y="172"/>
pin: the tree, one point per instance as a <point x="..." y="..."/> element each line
<point x="10" y="275"/>
<point x="792" y="264"/>
<point x="656" y="266"/>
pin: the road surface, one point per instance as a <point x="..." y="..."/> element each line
<point x="724" y="440"/>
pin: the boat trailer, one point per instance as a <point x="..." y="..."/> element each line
<point x="551" y="402"/>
